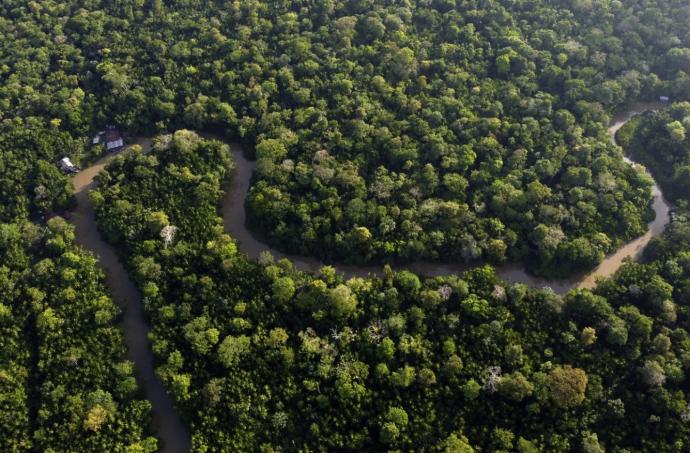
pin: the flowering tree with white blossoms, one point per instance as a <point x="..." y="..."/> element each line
<point x="168" y="234"/>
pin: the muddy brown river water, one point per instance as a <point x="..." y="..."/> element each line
<point x="234" y="218"/>
<point x="169" y="427"/>
<point x="170" y="430"/>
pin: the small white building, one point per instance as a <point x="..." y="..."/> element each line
<point x="114" y="144"/>
<point x="664" y="98"/>
<point x="66" y="165"/>
<point x="98" y="138"/>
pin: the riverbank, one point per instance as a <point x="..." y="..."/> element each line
<point x="661" y="207"/>
<point x="234" y="219"/>
<point x="169" y="428"/>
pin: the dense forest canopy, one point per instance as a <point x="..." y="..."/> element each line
<point x="383" y="131"/>
<point x="261" y="357"/>
<point x="661" y="140"/>
<point x="459" y="130"/>
<point x="64" y="382"/>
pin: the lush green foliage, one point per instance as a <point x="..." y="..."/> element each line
<point x="459" y="132"/>
<point x="15" y="431"/>
<point x="384" y="130"/>
<point x="442" y="129"/>
<point x="661" y="141"/>
<point x="180" y="167"/>
<point x="64" y="381"/>
<point x="261" y="357"/>
<point x="30" y="182"/>
<point x="65" y="385"/>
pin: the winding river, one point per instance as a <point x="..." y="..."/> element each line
<point x="662" y="209"/>
<point x="234" y="218"/>
<point x="169" y="427"/>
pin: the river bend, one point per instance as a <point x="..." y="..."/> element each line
<point x="234" y="218"/>
<point x="169" y="427"/>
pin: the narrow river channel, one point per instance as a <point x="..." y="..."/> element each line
<point x="169" y="427"/>
<point x="234" y="218"/>
<point x="634" y="248"/>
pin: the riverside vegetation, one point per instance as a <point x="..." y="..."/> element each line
<point x="64" y="381"/>
<point x="384" y="131"/>
<point x="661" y="140"/>
<point x="261" y="357"/>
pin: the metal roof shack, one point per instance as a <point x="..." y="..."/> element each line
<point x="113" y="139"/>
<point x="67" y="166"/>
<point x="96" y="139"/>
